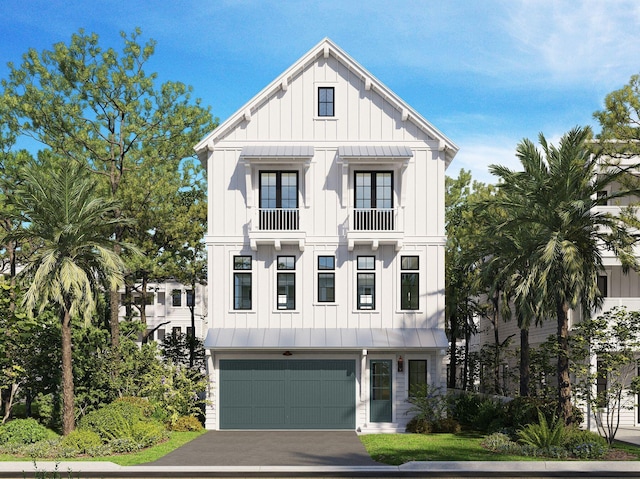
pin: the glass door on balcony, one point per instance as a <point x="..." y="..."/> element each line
<point x="278" y="201"/>
<point x="374" y="201"/>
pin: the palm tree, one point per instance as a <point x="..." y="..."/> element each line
<point x="552" y="202"/>
<point x="74" y="258"/>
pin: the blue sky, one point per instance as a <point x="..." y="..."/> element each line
<point x="486" y="73"/>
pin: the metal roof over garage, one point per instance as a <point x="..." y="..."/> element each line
<point x="323" y="339"/>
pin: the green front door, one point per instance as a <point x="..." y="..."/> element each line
<point x="381" y="408"/>
<point x="287" y="394"/>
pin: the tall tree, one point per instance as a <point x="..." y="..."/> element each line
<point x="552" y="201"/>
<point x="98" y="107"/>
<point x="620" y="120"/>
<point x="60" y="212"/>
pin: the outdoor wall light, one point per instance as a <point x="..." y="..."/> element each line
<point x="287" y="353"/>
<point x="400" y="364"/>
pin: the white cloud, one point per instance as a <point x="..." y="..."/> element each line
<point x="478" y="153"/>
<point x="584" y="41"/>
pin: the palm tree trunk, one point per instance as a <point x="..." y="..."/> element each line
<point x="525" y="364"/>
<point x="496" y="337"/>
<point x="453" y="363"/>
<point x="564" y="381"/>
<point x="68" y="415"/>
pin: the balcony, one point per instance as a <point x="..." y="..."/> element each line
<point x="375" y="226"/>
<point x="276" y="226"/>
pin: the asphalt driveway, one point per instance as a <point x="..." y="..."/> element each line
<point x="271" y="448"/>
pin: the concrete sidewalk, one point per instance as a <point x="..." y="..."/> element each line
<point x="478" y="469"/>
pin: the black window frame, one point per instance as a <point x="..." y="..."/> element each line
<point x="326" y="279"/>
<point x="414" y="376"/>
<point x="373" y="189"/>
<point x="603" y="285"/>
<point x="410" y="283"/>
<point x="366" y="280"/>
<point x="326" y="106"/>
<point x="286" y="282"/>
<point x="278" y="188"/>
<point x="176" y="298"/>
<point x="242" y="283"/>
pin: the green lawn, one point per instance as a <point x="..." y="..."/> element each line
<point x="176" y="440"/>
<point x="396" y="449"/>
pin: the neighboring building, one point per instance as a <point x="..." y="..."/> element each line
<point x="618" y="289"/>
<point x="168" y="309"/>
<point x="326" y="253"/>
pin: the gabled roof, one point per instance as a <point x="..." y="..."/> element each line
<point x="324" y="49"/>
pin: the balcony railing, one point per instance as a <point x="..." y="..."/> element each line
<point x="278" y="219"/>
<point x="374" y="219"/>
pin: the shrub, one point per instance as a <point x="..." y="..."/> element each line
<point x="446" y="425"/>
<point x="186" y="423"/>
<point x="108" y="423"/>
<point x="418" y="426"/>
<point x="25" y="431"/>
<point x="143" y="404"/>
<point x="83" y="441"/>
<point x="464" y="408"/>
<point x="123" y="445"/>
<point x="500" y="442"/>
<point x="542" y="435"/>
<point x="427" y="402"/>
<point x="148" y="433"/>
<point x="584" y="444"/>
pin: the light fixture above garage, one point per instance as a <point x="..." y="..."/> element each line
<point x="287" y="353"/>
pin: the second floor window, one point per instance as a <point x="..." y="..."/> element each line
<point x="326" y="279"/>
<point x="242" y="282"/>
<point x="286" y="297"/>
<point x="366" y="282"/>
<point x="176" y="298"/>
<point x="409" y="280"/>
<point x="191" y="298"/>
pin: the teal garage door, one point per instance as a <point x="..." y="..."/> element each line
<point x="287" y="394"/>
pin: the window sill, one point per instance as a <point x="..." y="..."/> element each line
<point x="326" y="118"/>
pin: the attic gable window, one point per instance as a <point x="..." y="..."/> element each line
<point x="326" y="96"/>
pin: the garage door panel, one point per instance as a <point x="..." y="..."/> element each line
<point x="287" y="394"/>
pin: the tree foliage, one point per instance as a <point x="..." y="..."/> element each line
<point x="98" y="107"/>
<point x="552" y="201"/>
<point x="605" y="351"/>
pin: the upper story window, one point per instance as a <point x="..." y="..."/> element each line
<point x="326" y="279"/>
<point x="176" y="298"/>
<point x="242" y="282"/>
<point x="409" y="282"/>
<point x="286" y="297"/>
<point x="603" y="285"/>
<point x="366" y="282"/>
<point x="326" y="98"/>
<point x="279" y="200"/>
<point x="374" y="201"/>
<point x="191" y="298"/>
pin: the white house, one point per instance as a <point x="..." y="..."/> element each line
<point x="326" y="252"/>
<point x="168" y="308"/>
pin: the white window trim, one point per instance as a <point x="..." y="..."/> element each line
<point x="231" y="282"/>
<point x="422" y="291"/>
<point x="318" y="85"/>
<point x="376" y="272"/>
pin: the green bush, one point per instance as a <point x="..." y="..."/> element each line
<point x="446" y="425"/>
<point x="148" y="433"/>
<point x="123" y="445"/>
<point x="543" y="434"/>
<point x="109" y="423"/>
<point x="464" y="408"/>
<point x="83" y="441"/>
<point x="427" y="402"/>
<point x="143" y="405"/>
<point x="502" y="443"/>
<point x="584" y="444"/>
<point x="25" y="431"/>
<point x="186" y="423"/>
<point x="418" y="425"/>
